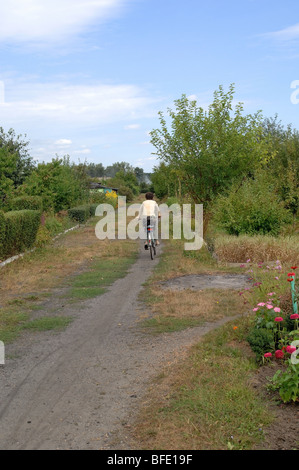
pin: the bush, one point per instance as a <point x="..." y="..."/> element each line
<point x="2" y="233"/>
<point x="53" y="225"/>
<point x="43" y="236"/>
<point x="81" y="213"/>
<point x="261" y="341"/>
<point x="254" y="208"/>
<point x="20" y="231"/>
<point x="127" y="192"/>
<point x="26" y="203"/>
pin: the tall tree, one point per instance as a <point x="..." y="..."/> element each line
<point x="210" y="149"/>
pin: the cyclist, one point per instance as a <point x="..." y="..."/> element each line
<point x="149" y="214"/>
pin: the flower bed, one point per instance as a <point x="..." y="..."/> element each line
<point x="275" y="332"/>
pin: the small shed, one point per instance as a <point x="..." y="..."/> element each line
<point x="98" y="187"/>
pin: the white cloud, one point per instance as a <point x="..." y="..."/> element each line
<point x="63" y="142"/>
<point x="82" y="152"/>
<point x="132" y="127"/>
<point x="286" y="34"/>
<point x="51" y="20"/>
<point x="73" y="106"/>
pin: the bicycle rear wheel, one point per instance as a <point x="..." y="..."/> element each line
<point x="152" y="251"/>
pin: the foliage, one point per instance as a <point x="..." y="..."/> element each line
<point x="20" y="231"/>
<point x="210" y="149"/>
<point x="126" y="192"/>
<point x="261" y="341"/>
<point x="25" y="203"/>
<point x="14" y="157"/>
<point x="2" y="233"/>
<point x="287" y="383"/>
<point x="165" y="181"/>
<point x="126" y="180"/>
<point x="283" y="165"/>
<point x="80" y="213"/>
<point x="60" y="184"/>
<point x="252" y="208"/>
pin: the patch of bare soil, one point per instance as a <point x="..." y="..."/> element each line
<point x="282" y="434"/>
<point x="207" y="281"/>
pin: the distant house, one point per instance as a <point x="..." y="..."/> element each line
<point x="97" y="187"/>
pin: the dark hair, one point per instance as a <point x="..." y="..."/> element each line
<point x="149" y="196"/>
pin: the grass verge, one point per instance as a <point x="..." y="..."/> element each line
<point x="205" y="402"/>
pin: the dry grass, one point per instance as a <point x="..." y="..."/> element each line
<point x="47" y="268"/>
<point x="259" y="248"/>
<point x="208" y="305"/>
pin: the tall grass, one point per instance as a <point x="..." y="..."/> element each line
<point x="257" y="248"/>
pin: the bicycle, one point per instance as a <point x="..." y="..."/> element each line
<point x="151" y="242"/>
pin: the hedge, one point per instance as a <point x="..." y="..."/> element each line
<point x="20" y="203"/>
<point x="2" y="232"/>
<point x="20" y="231"/>
<point x="81" y="213"/>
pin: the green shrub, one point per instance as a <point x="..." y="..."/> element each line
<point x="81" y="213"/>
<point x="2" y="233"/>
<point x="43" y="236"/>
<point x="20" y="231"/>
<point x="126" y="192"/>
<point x="253" y="208"/>
<point x="261" y="341"/>
<point x="93" y="209"/>
<point x="97" y="197"/>
<point x="26" y="203"/>
<point x="53" y="225"/>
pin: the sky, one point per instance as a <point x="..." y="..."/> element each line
<point x="87" y="78"/>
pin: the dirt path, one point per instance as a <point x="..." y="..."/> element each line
<point x="80" y="388"/>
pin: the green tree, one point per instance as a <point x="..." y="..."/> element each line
<point x="283" y="161"/>
<point x="60" y="184"/>
<point x="23" y="162"/>
<point x="210" y="149"/>
<point x="15" y="163"/>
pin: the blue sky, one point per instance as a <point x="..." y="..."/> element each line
<point x="88" y="77"/>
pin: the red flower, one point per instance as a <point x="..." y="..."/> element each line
<point x="294" y="316"/>
<point x="290" y="279"/>
<point x="279" y="354"/>
<point x="294" y="267"/>
<point x="278" y="319"/>
<point x="268" y="355"/>
<point x="290" y="349"/>
<point x="292" y="274"/>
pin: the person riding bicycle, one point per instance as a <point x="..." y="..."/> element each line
<point x="149" y="214"/>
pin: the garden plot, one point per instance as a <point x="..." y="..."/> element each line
<point x="207" y="281"/>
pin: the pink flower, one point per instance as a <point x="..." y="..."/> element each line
<point x="290" y="349"/>
<point x="277" y="309"/>
<point x="294" y="316"/>
<point x="271" y="293"/>
<point x="278" y="319"/>
<point x="255" y="309"/>
<point x="279" y="354"/>
<point x="269" y="307"/>
<point x="261" y="304"/>
<point x="268" y="355"/>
